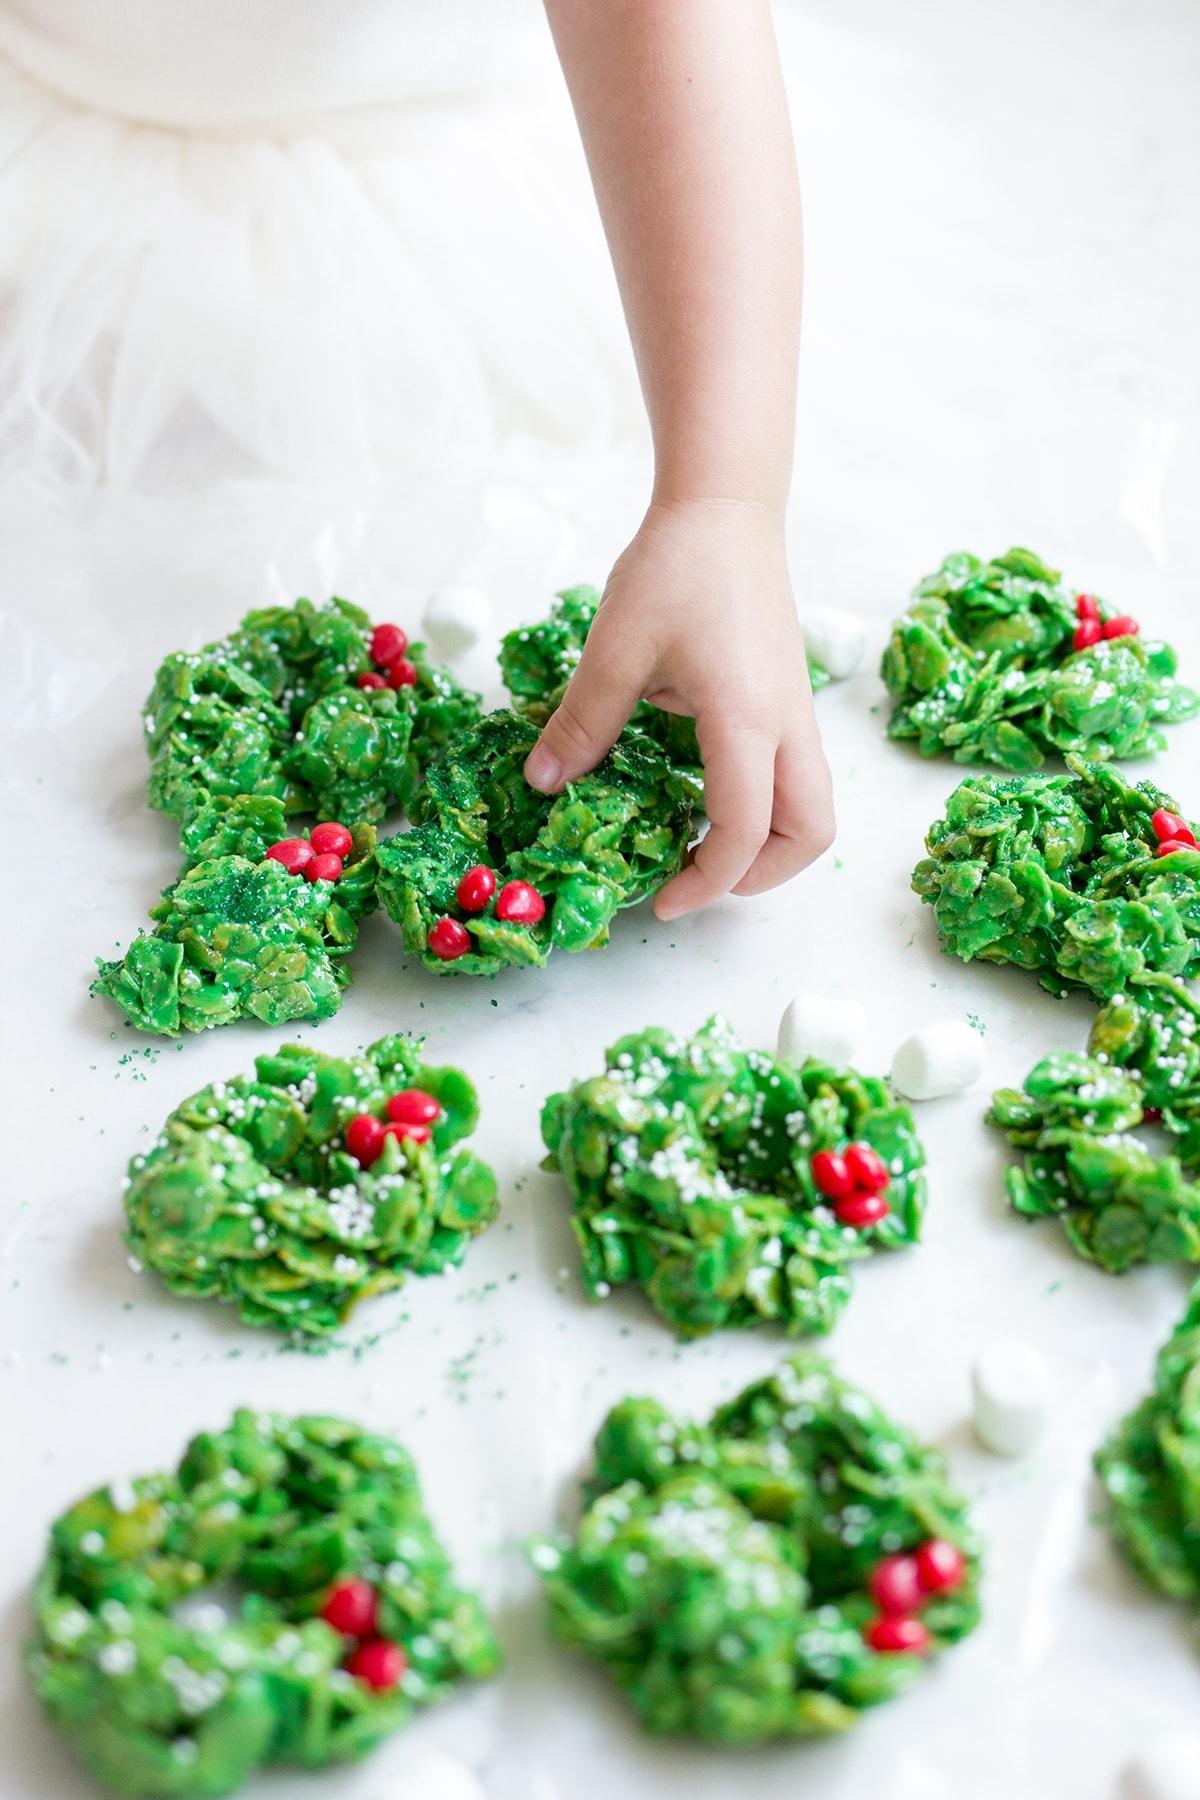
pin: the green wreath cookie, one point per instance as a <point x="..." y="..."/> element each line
<point x="1118" y="1201"/>
<point x="259" y="925"/>
<point x="1084" y="879"/>
<point x="537" y="661"/>
<point x="1147" y="1467"/>
<point x="346" y="1619"/>
<point x="735" y="1188"/>
<point x="998" y="662"/>
<point x="770" y="1574"/>
<point x="308" y="705"/>
<point x="323" y="1180"/>
<point x="495" y="874"/>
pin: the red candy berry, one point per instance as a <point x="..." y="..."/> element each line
<point x="387" y="643"/>
<point x="371" y="678"/>
<point x="1173" y="844"/>
<point x="1121" y="626"/>
<point x="379" y="1663"/>
<point x="941" y="1566"/>
<point x="897" y="1636"/>
<point x="413" y="1106"/>
<point x="408" y="1131"/>
<point x="1152" y="1115"/>
<point x="324" y="868"/>
<point x="364" y="1138"/>
<point x="402" y="673"/>
<point x="1087" y="633"/>
<point x="867" y="1168"/>
<point x="1166" y="825"/>
<point x="331" y="839"/>
<point x="831" y="1175"/>
<point x="860" y="1210"/>
<point x="449" y="940"/>
<point x="476" y="888"/>
<point x="1087" y="606"/>
<point x="294" y="853"/>
<point x="520" y="904"/>
<point x="895" y="1584"/>
<point x="351" y="1608"/>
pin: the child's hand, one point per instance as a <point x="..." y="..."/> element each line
<point x="698" y="617"/>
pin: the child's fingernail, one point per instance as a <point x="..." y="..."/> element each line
<point x="543" y="770"/>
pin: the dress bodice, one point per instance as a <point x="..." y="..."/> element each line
<point x="225" y="63"/>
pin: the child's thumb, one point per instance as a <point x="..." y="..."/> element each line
<point x="590" y="718"/>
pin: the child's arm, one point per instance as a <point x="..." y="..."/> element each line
<point x="685" y="123"/>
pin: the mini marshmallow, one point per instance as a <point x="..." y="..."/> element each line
<point x="938" y="1060"/>
<point x="1167" y="1769"/>
<point x="456" y="618"/>
<point x="437" y="1777"/>
<point x="813" y="1025"/>
<point x="1009" y="1384"/>
<point x="835" y="639"/>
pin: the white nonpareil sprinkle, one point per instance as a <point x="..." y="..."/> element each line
<point x="1009" y="1384"/>
<point x="122" y="1496"/>
<point x="938" y="1060"/>
<point x="117" y="1658"/>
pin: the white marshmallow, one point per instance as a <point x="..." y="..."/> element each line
<point x="456" y="618"/>
<point x="436" y="1777"/>
<point x="938" y="1060"/>
<point x="813" y="1025"/>
<point x="1167" y="1769"/>
<point x="1009" y="1385"/>
<point x="835" y="639"/>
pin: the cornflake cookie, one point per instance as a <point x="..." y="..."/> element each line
<point x="1146" y="1466"/>
<point x="734" y="1187"/>
<point x="324" y="1179"/>
<point x="769" y="1574"/>
<point x="309" y="705"/>
<point x="495" y="874"/>
<point x="337" y="1616"/>
<point x="999" y="662"/>
<point x="259" y="925"/>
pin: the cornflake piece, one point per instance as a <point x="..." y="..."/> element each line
<point x="938" y="1060"/>
<point x="270" y="1681"/>
<point x="727" y="1575"/>
<point x="835" y="639"/>
<point x="1009" y="1385"/>
<point x="814" y="1025"/>
<point x="457" y="618"/>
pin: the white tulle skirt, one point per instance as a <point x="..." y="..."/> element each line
<point x="358" y="298"/>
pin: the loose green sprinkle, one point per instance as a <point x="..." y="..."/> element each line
<point x="983" y="666"/>
<point x="688" y="1166"/>
<point x="165" y="1692"/>
<point x="720" y="1572"/>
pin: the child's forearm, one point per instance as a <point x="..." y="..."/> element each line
<point x="684" y="119"/>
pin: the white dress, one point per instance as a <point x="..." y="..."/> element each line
<point x="339" y="244"/>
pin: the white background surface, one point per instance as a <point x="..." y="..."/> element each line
<point x="1001" y="347"/>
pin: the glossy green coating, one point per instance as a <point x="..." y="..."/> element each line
<point x="720" y="1571"/>
<point x="1059" y="874"/>
<point x="237" y="936"/>
<point x="1119" y="1202"/>
<point x="610" y="840"/>
<point x="249" y="1194"/>
<point x="274" y="709"/>
<point x="166" y="1694"/>
<point x="1148" y="1467"/>
<point x="537" y="661"/>
<point x="982" y="667"/>
<point x="687" y="1163"/>
<point x="1155" y="1034"/>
